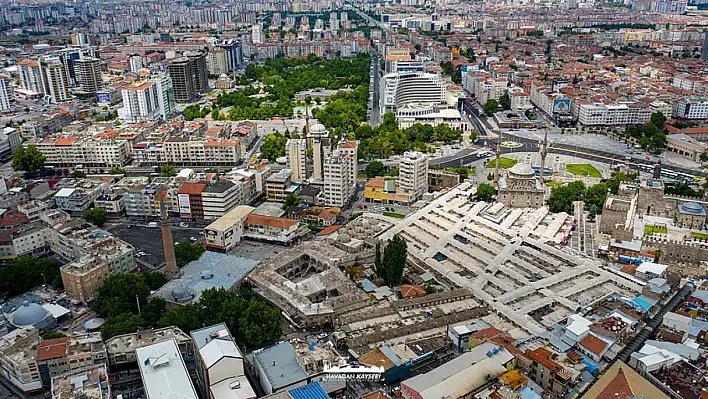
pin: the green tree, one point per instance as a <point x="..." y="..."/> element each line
<point x="26" y="273"/>
<point x="53" y="335"/>
<point x="260" y="324"/>
<point x="394" y="172"/>
<point x="505" y="101"/>
<point x="154" y="280"/>
<point x="77" y="174"/>
<point x="117" y="294"/>
<point x="704" y="157"/>
<point x="273" y="146"/>
<point x="485" y="192"/>
<point x="595" y="196"/>
<point x="374" y="168"/>
<point x="154" y="310"/>
<point x="116" y="170"/>
<point x="124" y="323"/>
<point x="291" y="200"/>
<point x="562" y="197"/>
<point x="658" y="119"/>
<point x="167" y="171"/>
<point x="95" y="216"/>
<point x="28" y="159"/>
<point x="491" y="107"/>
<point x="186" y="252"/>
<point x="394" y="261"/>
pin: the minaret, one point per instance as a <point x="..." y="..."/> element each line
<point x="168" y="246"/>
<point x="496" y="166"/>
<point x="544" y="152"/>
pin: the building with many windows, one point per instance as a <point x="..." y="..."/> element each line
<point x="590" y="113"/>
<point x="340" y="173"/>
<point x="413" y="173"/>
<point x="7" y="95"/>
<point x="88" y="73"/>
<point x="86" y="151"/>
<point x="401" y="88"/>
<point x="296" y="158"/>
<point x="30" y="76"/>
<point x="189" y="76"/>
<point x="692" y="108"/>
<point x="140" y="101"/>
<point x="55" y="80"/>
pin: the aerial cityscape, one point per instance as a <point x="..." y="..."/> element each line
<point x="315" y="199"/>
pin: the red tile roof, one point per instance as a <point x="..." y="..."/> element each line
<point x="593" y="344"/>
<point x="329" y="230"/>
<point x="270" y="221"/>
<point x="52" y="348"/>
<point x="490" y="332"/>
<point x="617" y="388"/>
<point x="411" y="291"/>
<point x="191" y="188"/>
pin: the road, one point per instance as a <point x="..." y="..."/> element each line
<point x="370" y="20"/>
<point x="532" y="145"/>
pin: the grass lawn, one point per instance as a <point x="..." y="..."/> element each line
<point x="394" y="215"/>
<point x="651" y="230"/>
<point x="699" y="236"/>
<point x="504" y="163"/>
<point x="554" y="183"/>
<point x="583" y="169"/>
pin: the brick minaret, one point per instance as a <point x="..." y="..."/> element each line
<point x="168" y="245"/>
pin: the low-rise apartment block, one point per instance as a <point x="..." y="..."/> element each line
<point x="83" y="150"/>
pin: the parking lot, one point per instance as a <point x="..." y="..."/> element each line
<point x="149" y="239"/>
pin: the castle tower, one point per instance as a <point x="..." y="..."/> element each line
<point x="168" y="247"/>
<point x="544" y="152"/>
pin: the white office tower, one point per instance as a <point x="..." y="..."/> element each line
<point x="256" y="34"/>
<point x="55" y="80"/>
<point x="140" y="101"/>
<point x="136" y="63"/>
<point x="340" y="171"/>
<point x="399" y="89"/>
<point x="217" y="61"/>
<point x="88" y="71"/>
<point x="165" y="95"/>
<point x="30" y="76"/>
<point x="6" y="94"/>
<point x="413" y="173"/>
<point x="296" y="158"/>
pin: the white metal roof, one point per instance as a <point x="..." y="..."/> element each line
<point x="163" y="371"/>
<point x="578" y="325"/>
<point x="653" y="268"/>
<point x="217" y="349"/>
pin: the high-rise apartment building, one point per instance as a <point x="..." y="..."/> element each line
<point x="88" y="71"/>
<point x="30" y="76"/>
<point x="256" y="34"/>
<point x="704" y="48"/>
<point x="296" y="158"/>
<point x="189" y="76"/>
<point x="165" y="95"/>
<point x="217" y="62"/>
<point x="413" y="173"/>
<point x="340" y="172"/>
<point x="6" y="94"/>
<point x="234" y="53"/>
<point x="140" y="101"/>
<point x="135" y="63"/>
<point x="55" y="80"/>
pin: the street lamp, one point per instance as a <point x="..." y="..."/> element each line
<point x="44" y="278"/>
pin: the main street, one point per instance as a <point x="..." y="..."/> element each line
<point x="528" y="144"/>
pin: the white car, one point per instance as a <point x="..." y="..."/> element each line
<point x="183" y="224"/>
<point x="323" y="335"/>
